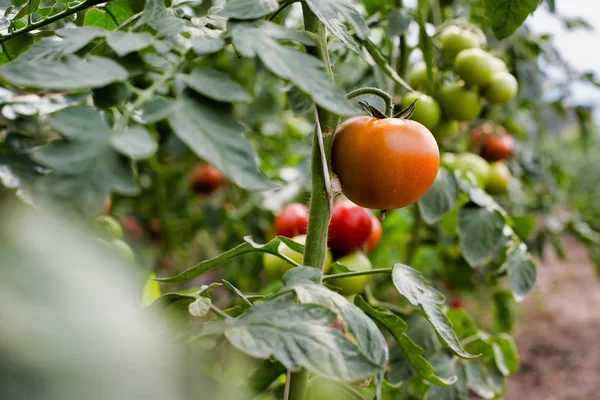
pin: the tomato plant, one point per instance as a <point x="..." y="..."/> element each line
<point x="198" y="131"/>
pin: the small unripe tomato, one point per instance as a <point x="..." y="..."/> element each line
<point x="445" y="130"/>
<point x="469" y="162"/>
<point x="275" y="267"/>
<point x="474" y="66"/>
<point x="206" y="179"/>
<point x="108" y="227"/>
<point x="417" y="76"/>
<point x="459" y="103"/>
<point x="292" y="220"/>
<point x="499" y="178"/>
<point x="123" y="250"/>
<point x="384" y="163"/>
<point x="502" y="88"/>
<point x="496" y="148"/>
<point x="498" y="64"/>
<point x="454" y="40"/>
<point x="427" y="110"/>
<point x="356" y="284"/>
<point x="350" y="227"/>
<point x="375" y="235"/>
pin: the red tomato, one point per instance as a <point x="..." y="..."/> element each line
<point x="206" y="179"/>
<point x="375" y="235"/>
<point x="350" y="227"/>
<point x="457" y="303"/>
<point x="497" y="148"/>
<point x="384" y="163"/>
<point x="292" y="220"/>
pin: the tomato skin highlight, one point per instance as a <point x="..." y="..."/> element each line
<point x="384" y="163"/>
<point x="350" y="227"/>
<point x="292" y="220"/>
<point x="375" y="235"/>
<point x="206" y="179"/>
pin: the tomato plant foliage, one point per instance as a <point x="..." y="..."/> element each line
<point x="117" y="101"/>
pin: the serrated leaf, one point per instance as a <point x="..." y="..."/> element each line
<point x="441" y="197"/>
<point x="368" y="337"/>
<point x="413" y="353"/>
<point x="216" y="84"/>
<point x="136" y="143"/>
<point x="250" y="246"/>
<point x="479" y="232"/>
<point x="217" y="138"/>
<point x="299" y="336"/>
<point x="248" y="9"/>
<point x="70" y="74"/>
<point x="327" y="11"/>
<point x="85" y="166"/>
<point x="99" y="18"/>
<point x="506" y="16"/>
<point x="124" y="43"/>
<point x="477" y="381"/>
<point x="288" y="63"/>
<point x="204" y="45"/>
<point x="445" y="366"/>
<point x="411" y="284"/>
<point x="521" y="272"/>
<point x="155" y="110"/>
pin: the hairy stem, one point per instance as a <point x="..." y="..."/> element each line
<point x="386" y="97"/>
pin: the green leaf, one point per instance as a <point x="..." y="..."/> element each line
<point x="85" y="166"/>
<point x="506" y="16"/>
<point x="151" y="291"/>
<point x="299" y="102"/>
<point x="413" y="353"/>
<point x="136" y="143"/>
<point x="248" y="9"/>
<point x="503" y="315"/>
<point x="521" y="272"/>
<point x="524" y="225"/>
<point x="124" y="43"/>
<point x="446" y="366"/>
<point x="154" y="10"/>
<point x="298" y="275"/>
<point x="99" y="18"/>
<point x="425" y="43"/>
<point x="441" y="197"/>
<point x="120" y="10"/>
<point x="70" y="74"/>
<point x="249" y="247"/>
<point x="328" y="10"/>
<point x="479" y="231"/>
<point x="462" y="324"/>
<point x="264" y="375"/>
<point x="288" y="63"/>
<point x="411" y="284"/>
<point x="398" y="22"/>
<point x="217" y="138"/>
<point x="299" y="336"/>
<point x="320" y="388"/>
<point x="368" y="337"/>
<point x="477" y="381"/>
<point x="155" y="110"/>
<point x="17" y="46"/>
<point x="505" y="346"/>
<point x="216" y="84"/>
<point x="74" y="39"/>
<point x="384" y="65"/>
<point x="204" y="45"/>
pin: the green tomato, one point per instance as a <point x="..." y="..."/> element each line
<point x="275" y="267"/>
<point x="498" y="64"/>
<point x="123" y="250"/>
<point x="448" y="160"/>
<point x="108" y="227"/>
<point x="458" y="102"/>
<point x="454" y="40"/>
<point x="474" y="66"/>
<point x="416" y="76"/>
<point x="427" y="110"/>
<point x="356" y="284"/>
<point x="469" y="162"/>
<point x="502" y="88"/>
<point x="445" y="130"/>
<point x="499" y="178"/>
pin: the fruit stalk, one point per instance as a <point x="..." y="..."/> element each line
<point x="315" y="249"/>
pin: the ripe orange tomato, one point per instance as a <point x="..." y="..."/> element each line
<point x="375" y="236"/>
<point x="497" y="148"/>
<point x="350" y="227"/>
<point x="292" y="220"/>
<point x="384" y="163"/>
<point x="206" y="179"/>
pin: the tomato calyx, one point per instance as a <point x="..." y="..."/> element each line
<point x="376" y="113"/>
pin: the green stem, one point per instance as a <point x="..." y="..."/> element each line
<point x="386" y="97"/>
<point x="413" y="244"/>
<point x="54" y="18"/>
<point x="357" y="273"/>
<point x="219" y="312"/>
<point x="320" y="202"/>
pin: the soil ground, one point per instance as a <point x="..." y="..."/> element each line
<point x="558" y="333"/>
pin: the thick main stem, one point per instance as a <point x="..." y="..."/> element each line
<point x="320" y="211"/>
